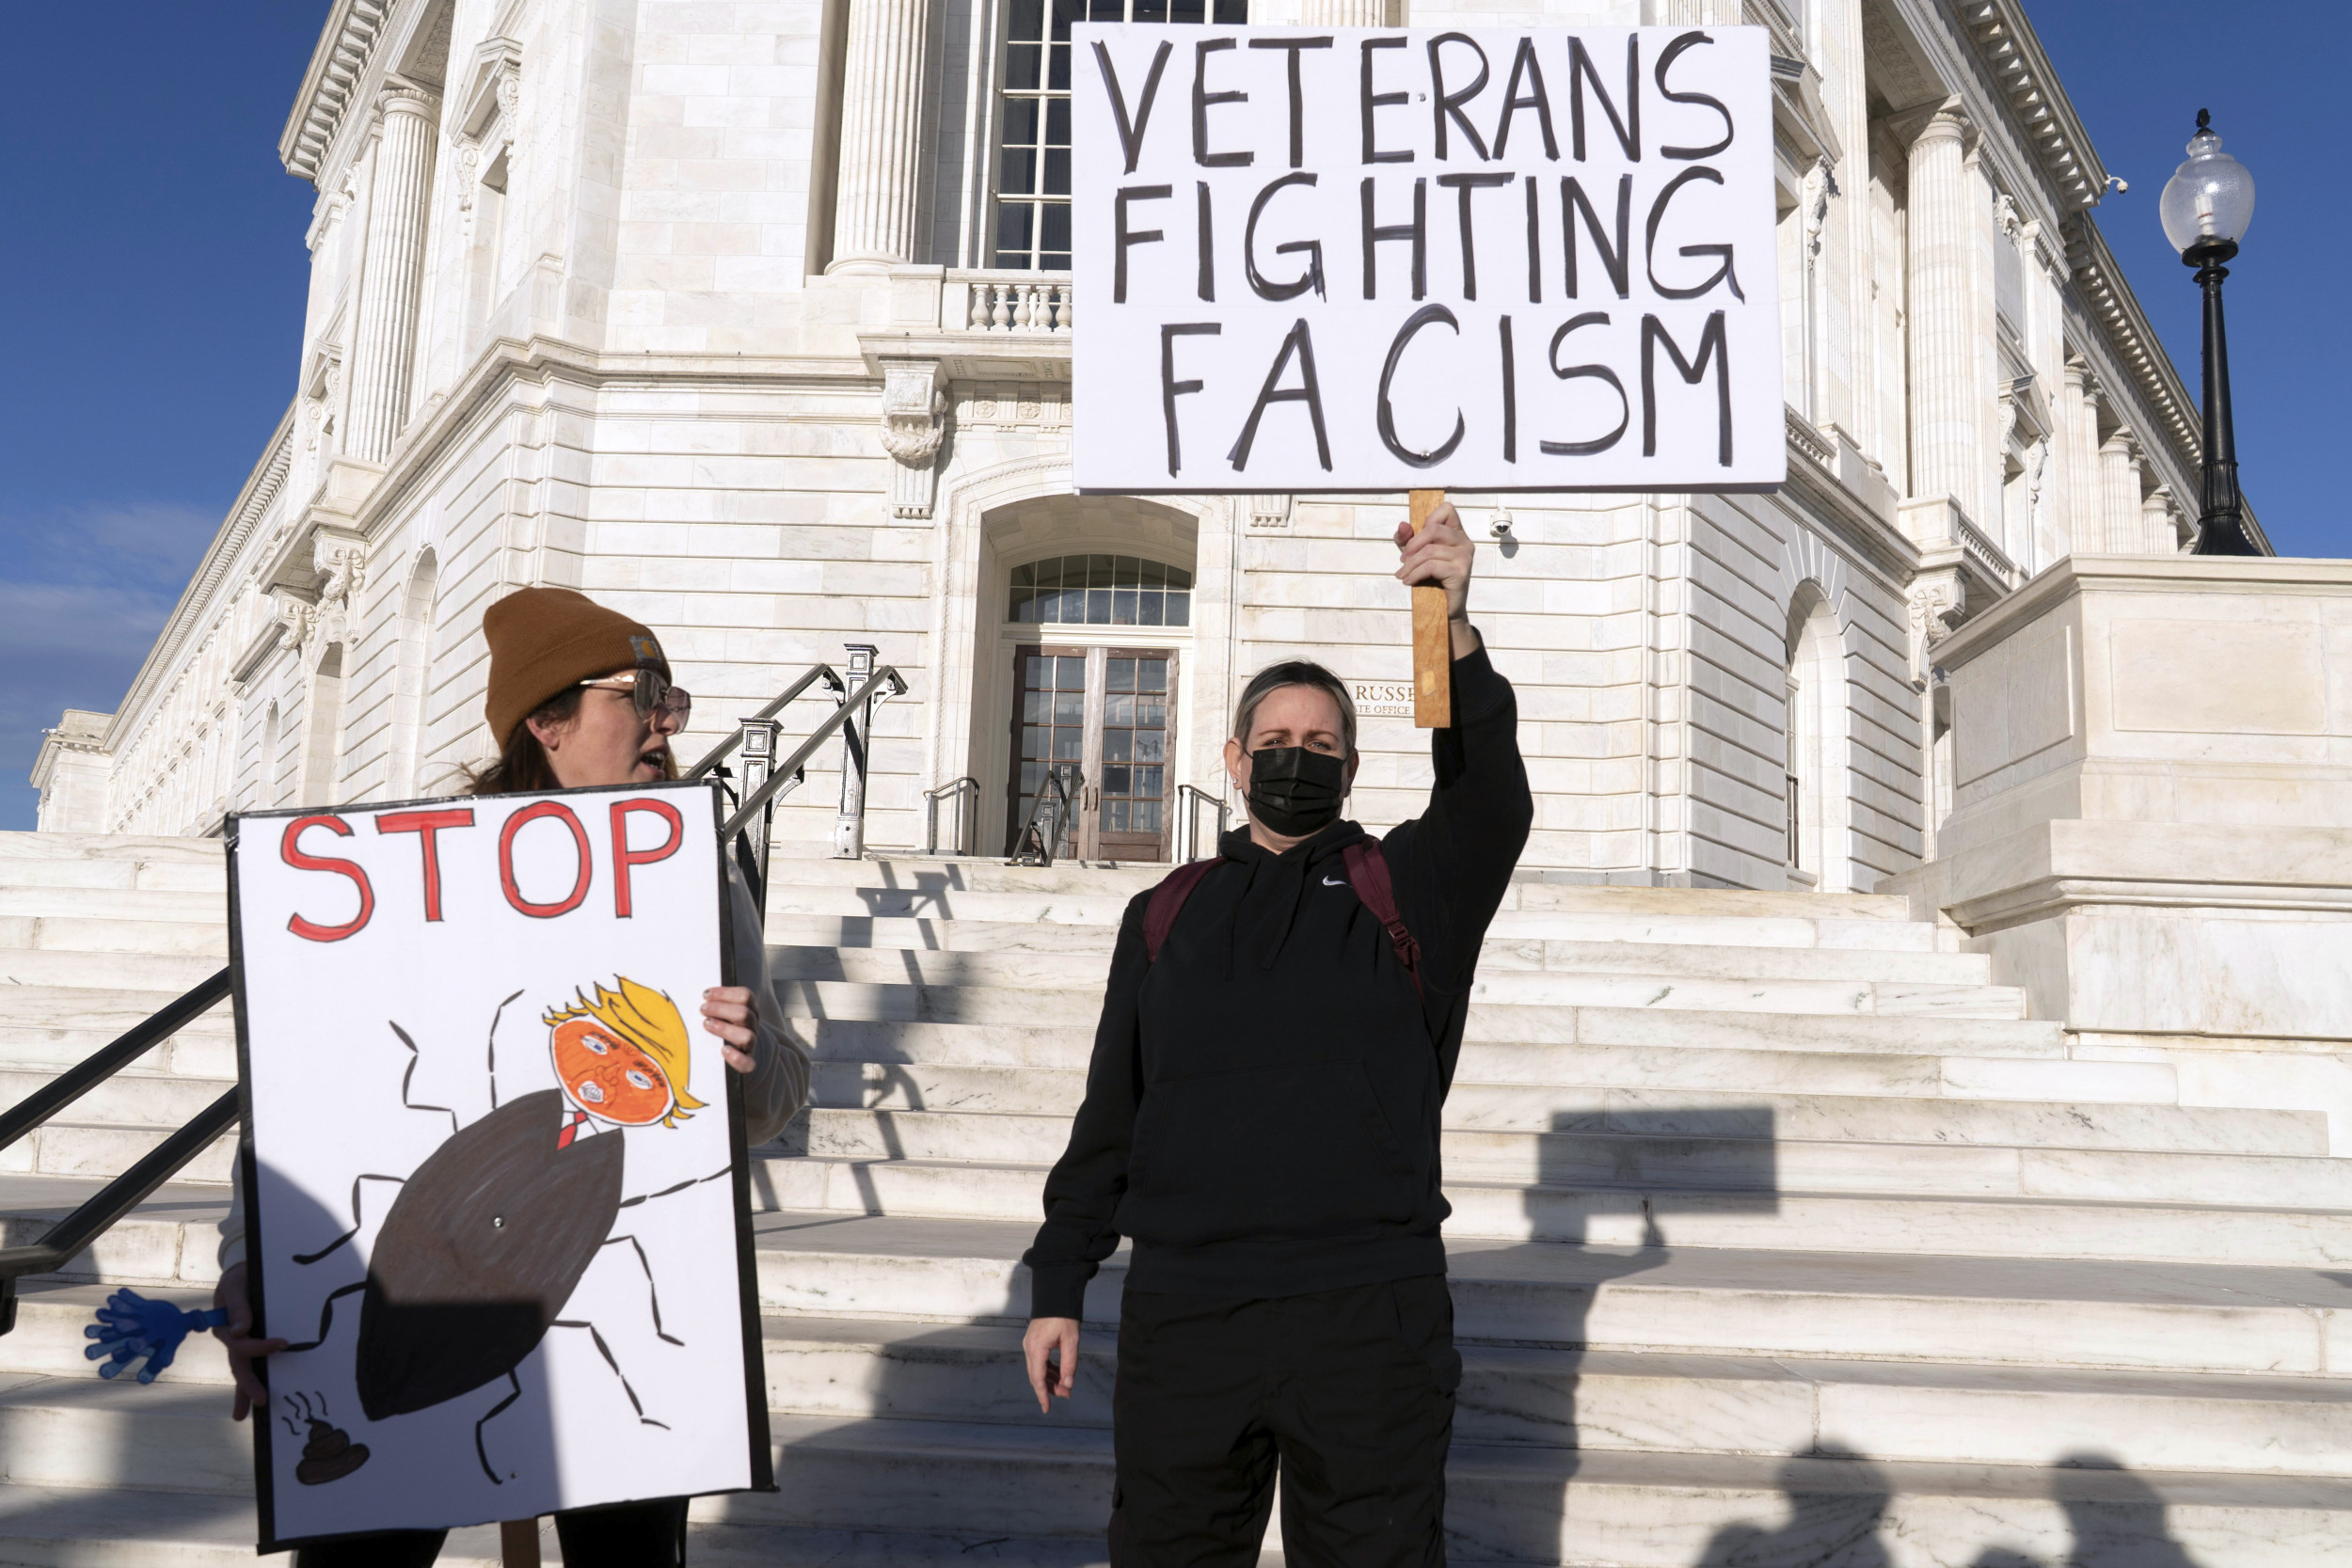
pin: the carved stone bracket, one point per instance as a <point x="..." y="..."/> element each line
<point x="1268" y="513"/>
<point x="1936" y="604"/>
<point x="296" y="619"/>
<point x="914" y="403"/>
<point x="341" y="560"/>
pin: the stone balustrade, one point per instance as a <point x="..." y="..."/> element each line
<point x="1008" y="302"/>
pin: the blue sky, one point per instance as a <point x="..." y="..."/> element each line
<point x="151" y="279"/>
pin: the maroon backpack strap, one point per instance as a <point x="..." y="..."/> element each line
<point x="1368" y="874"/>
<point x="1168" y="902"/>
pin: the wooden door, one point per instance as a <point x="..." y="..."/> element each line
<point x="1104" y="719"/>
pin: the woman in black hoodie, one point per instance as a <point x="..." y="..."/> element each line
<point x="1260" y="1119"/>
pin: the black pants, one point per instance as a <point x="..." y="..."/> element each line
<point x="1352" y="1392"/>
<point x="627" y="1535"/>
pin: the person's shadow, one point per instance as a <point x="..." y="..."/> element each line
<point x="2116" y="1518"/>
<point x="1836" y="1500"/>
<point x="1608" y="1184"/>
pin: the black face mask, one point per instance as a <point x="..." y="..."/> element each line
<point x="1295" y="792"/>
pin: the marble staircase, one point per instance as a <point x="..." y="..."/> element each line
<point x="1781" y="1237"/>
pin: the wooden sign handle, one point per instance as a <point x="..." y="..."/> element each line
<point x="518" y="1543"/>
<point x="1433" y="639"/>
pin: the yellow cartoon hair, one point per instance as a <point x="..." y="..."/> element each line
<point x="647" y="1020"/>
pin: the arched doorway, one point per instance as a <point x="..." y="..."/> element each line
<point x="1819" y="851"/>
<point x="1085" y="612"/>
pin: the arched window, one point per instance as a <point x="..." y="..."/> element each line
<point x="1818" y="848"/>
<point x="265" y="764"/>
<point x="412" y="673"/>
<point x="1100" y="591"/>
<point x="322" y="743"/>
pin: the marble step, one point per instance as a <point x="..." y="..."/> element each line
<point x="971" y="874"/>
<point x="1531" y="1505"/>
<point x="119" y="1526"/>
<point x="1036" y="1479"/>
<point x="1608" y="1510"/>
<point x="36" y="1012"/>
<point x="951" y="1003"/>
<point x="173" y="1238"/>
<point x="1533" y="1030"/>
<point x="1626" y="1215"/>
<point x="133" y="971"/>
<point x="1094" y="903"/>
<point x="1798" y="1142"/>
<point x="18" y="845"/>
<point x="122" y="874"/>
<point x="135" y="906"/>
<point x="852" y="1368"/>
<point x="138" y="1096"/>
<point x="1491" y="1072"/>
<point x="1596" y="1401"/>
<point x="981" y="936"/>
<point x="115" y="1525"/>
<point x="1086" y="972"/>
<point x="207" y="939"/>
<point x="1876" y="1306"/>
<point x="67" y="1146"/>
<point x="1734" y="903"/>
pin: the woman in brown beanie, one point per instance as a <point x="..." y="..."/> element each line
<point x="579" y="697"/>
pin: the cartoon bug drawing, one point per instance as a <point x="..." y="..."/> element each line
<point x="489" y="1237"/>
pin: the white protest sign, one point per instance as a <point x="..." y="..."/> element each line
<point x="495" y="1193"/>
<point x="1380" y="260"/>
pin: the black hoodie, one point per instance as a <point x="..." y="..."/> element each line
<point x="1261" y="1109"/>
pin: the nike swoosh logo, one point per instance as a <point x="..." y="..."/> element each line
<point x="1329" y="883"/>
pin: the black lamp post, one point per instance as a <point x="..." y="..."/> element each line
<point x="2206" y="206"/>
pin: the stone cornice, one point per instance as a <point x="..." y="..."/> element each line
<point x="2006" y="45"/>
<point x="1846" y="516"/>
<point x="329" y="87"/>
<point x="196" y="601"/>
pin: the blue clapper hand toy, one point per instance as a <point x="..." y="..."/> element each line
<point x="129" y="1326"/>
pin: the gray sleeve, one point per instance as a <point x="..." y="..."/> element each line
<point x="777" y="1086"/>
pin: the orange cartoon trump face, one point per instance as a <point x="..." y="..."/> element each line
<point x="624" y="1056"/>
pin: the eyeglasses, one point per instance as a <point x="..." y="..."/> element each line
<point x="652" y="693"/>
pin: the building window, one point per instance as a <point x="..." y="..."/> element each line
<point x="1100" y="591"/>
<point x="1033" y="141"/>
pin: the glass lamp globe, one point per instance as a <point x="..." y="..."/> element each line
<point x="2210" y="199"/>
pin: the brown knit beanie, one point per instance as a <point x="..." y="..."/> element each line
<point x="544" y="641"/>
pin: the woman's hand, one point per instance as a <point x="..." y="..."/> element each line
<point x="728" y="1013"/>
<point x="236" y="1337"/>
<point x="1056" y="1337"/>
<point x="1440" y="553"/>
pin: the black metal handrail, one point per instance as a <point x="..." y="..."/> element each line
<point x="101" y="1211"/>
<point x="965" y="815"/>
<point x="720" y="752"/>
<point x="850" y="709"/>
<point x="1038" y="839"/>
<point x="1188" y="803"/>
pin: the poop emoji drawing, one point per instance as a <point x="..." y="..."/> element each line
<point x="330" y="1454"/>
<point x="488" y="1238"/>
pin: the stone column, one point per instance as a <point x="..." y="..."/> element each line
<point x="2080" y="418"/>
<point x="884" y="104"/>
<point x="2120" y="506"/>
<point x="2159" y="534"/>
<point x="1943" y="419"/>
<point x="384" y="348"/>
